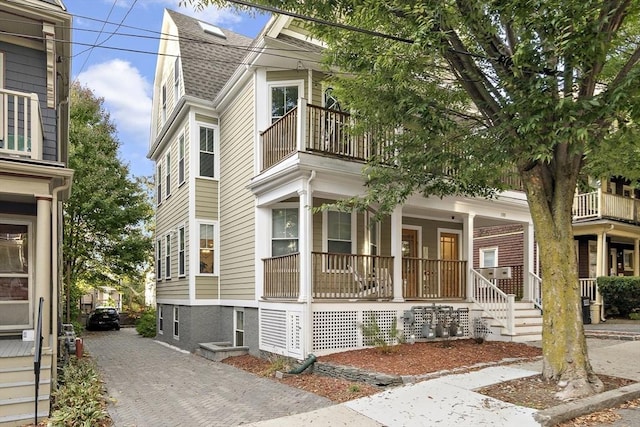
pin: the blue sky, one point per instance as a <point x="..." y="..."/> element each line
<point x="121" y="69"/>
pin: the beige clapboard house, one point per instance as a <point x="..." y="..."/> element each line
<point x="34" y="180"/>
<point x="246" y="138"/>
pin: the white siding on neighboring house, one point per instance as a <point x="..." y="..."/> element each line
<point x="237" y="203"/>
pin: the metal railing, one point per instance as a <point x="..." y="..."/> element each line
<point x="37" y="356"/>
<point x="494" y="302"/>
<point x="21" y="127"/>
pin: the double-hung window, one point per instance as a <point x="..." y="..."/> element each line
<point x="176" y="322"/>
<point x="159" y="182"/>
<point x="176" y="80"/>
<point x="488" y="257"/>
<point x="181" y="252"/>
<point x="167" y="256"/>
<point x="14" y="274"/>
<point x="339" y="233"/>
<point x="159" y="260"/>
<point x="284" y="98"/>
<point x="284" y="231"/>
<point x="167" y="166"/>
<point x="164" y="103"/>
<point x="207" y="249"/>
<point x="207" y="152"/>
<point x="160" y="319"/>
<point x="181" y="159"/>
<point x="239" y="327"/>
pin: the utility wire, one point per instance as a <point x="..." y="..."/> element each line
<point x="104" y="24"/>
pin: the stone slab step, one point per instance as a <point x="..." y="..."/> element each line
<point x="217" y="351"/>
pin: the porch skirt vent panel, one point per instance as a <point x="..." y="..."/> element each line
<point x="335" y="330"/>
<point x="273" y="328"/>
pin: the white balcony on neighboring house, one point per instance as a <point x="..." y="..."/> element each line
<point x="598" y="205"/>
<point x="21" y="126"/>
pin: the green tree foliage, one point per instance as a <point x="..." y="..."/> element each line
<point x="106" y="220"/>
<point x="146" y="324"/>
<point x="546" y="88"/>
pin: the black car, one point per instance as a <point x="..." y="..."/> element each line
<point x="104" y="318"/>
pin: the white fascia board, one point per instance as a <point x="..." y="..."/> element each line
<point x="238" y="79"/>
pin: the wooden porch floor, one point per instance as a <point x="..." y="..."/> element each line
<point x="15" y="348"/>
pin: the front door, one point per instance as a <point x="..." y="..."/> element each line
<point x="450" y="273"/>
<point x="411" y="262"/>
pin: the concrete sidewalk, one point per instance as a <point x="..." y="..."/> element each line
<point x="450" y="400"/>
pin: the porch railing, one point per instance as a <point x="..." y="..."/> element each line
<point x="279" y="140"/>
<point x="433" y="278"/>
<point x="605" y="205"/>
<point x="535" y="290"/>
<point x="494" y="302"/>
<point x="21" y="126"/>
<point x="589" y="288"/>
<point x="350" y="276"/>
<point x="282" y="276"/>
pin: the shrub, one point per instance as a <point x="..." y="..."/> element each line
<point x="621" y="294"/>
<point x="146" y="324"/>
<point x="78" y="400"/>
<point x="385" y="341"/>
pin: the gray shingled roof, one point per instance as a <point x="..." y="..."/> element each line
<point x="208" y="61"/>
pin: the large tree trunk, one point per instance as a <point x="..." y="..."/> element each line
<point x="565" y="359"/>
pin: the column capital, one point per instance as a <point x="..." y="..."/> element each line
<point x="45" y="197"/>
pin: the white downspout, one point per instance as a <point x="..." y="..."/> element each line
<point x="54" y="272"/>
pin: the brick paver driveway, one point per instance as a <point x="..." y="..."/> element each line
<point x="153" y="385"/>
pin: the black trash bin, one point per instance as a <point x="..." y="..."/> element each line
<point x="585" y="302"/>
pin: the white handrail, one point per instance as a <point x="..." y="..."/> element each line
<point x="21" y="127"/>
<point x="494" y="301"/>
<point x="535" y="290"/>
<point x="589" y="288"/>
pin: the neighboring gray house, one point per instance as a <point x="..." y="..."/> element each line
<point x="247" y="138"/>
<point x="34" y="180"/>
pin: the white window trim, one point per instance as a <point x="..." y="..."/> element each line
<point x="159" y="259"/>
<point x="167" y="256"/>
<point x="159" y="179"/>
<point x="216" y="149"/>
<point x="163" y="101"/>
<point x="160" y="320"/>
<point x="167" y="174"/>
<point x="216" y="248"/>
<point x="176" y="80"/>
<point x="176" y="309"/>
<point x="182" y="251"/>
<point x="237" y="310"/>
<point x="482" y="252"/>
<point x="182" y="159"/>
<point x="282" y="83"/>
<point x="30" y="273"/>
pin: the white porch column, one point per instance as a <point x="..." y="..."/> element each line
<point x="601" y="252"/>
<point x="528" y="243"/>
<point x="467" y="247"/>
<point x="305" y="236"/>
<point x="43" y="266"/>
<point x="396" y="252"/>
<point x="301" y="124"/>
<point x="636" y="252"/>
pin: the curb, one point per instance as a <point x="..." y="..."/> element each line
<point x="608" y="399"/>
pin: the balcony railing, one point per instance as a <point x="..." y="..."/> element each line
<point x="20" y="124"/>
<point x="597" y="205"/>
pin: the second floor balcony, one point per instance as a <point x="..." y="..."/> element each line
<point x="21" y="128"/>
<point x="601" y="205"/>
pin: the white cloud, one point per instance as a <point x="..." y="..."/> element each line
<point x="127" y="97"/>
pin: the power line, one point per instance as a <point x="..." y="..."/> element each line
<point x="104" y="24"/>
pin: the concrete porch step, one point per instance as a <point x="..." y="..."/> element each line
<point x="23" y="389"/>
<point x="217" y="351"/>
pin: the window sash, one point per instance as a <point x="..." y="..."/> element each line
<point x="283" y="100"/>
<point x="284" y="231"/>
<point x="488" y="257"/>
<point x="207" y="152"/>
<point x="339" y="238"/>
<point x="160" y="320"/>
<point x="159" y="260"/>
<point x="181" y="159"/>
<point x="159" y="183"/>
<point x="167" y="256"/>
<point x="168" y="175"/>
<point x="181" y="253"/>
<point x="176" y="322"/>
<point x="207" y="249"/>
